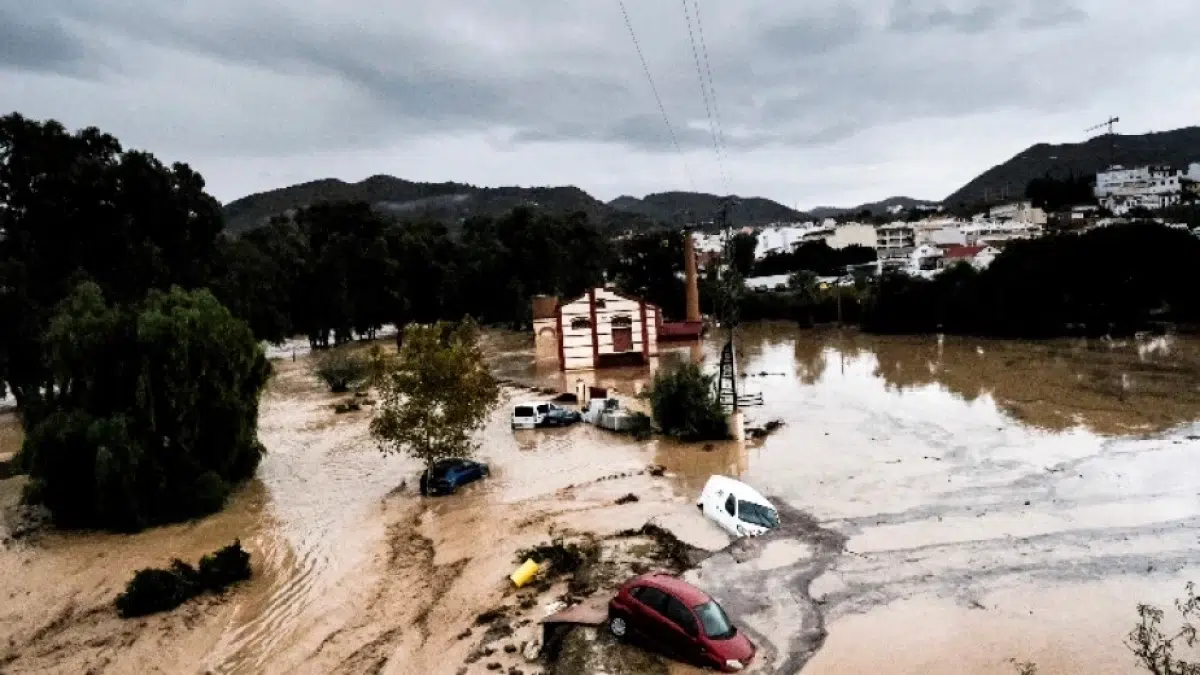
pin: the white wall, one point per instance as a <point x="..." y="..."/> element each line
<point x="852" y="234"/>
<point x="577" y="329"/>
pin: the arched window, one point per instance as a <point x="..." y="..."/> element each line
<point x="622" y="321"/>
<point x="580" y="323"/>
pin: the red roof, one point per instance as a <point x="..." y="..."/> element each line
<point x="961" y="251"/>
<point x="682" y="590"/>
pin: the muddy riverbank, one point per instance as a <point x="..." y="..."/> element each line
<point x="972" y="502"/>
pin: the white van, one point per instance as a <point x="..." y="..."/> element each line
<point x="529" y="415"/>
<point x="738" y="508"/>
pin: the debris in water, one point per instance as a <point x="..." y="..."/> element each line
<point x="629" y="498"/>
<point x="489" y="616"/>
<point x="656" y="470"/>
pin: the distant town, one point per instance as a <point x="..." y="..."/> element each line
<point x="924" y="240"/>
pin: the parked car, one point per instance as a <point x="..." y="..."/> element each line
<point x="447" y="475"/>
<point x="560" y="417"/>
<point x="680" y="620"/>
<point x="738" y="508"/>
<point x="530" y="415"/>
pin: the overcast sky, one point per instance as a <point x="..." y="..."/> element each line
<point x="820" y="101"/>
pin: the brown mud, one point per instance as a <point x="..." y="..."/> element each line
<point x="972" y="502"/>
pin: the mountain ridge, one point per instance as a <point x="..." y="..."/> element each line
<point x="1006" y="181"/>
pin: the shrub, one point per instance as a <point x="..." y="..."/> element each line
<point x="154" y="590"/>
<point x="225" y="567"/>
<point x="157" y="590"/>
<point x="685" y="405"/>
<point x="642" y="428"/>
<point x="342" y="370"/>
<point x="152" y="413"/>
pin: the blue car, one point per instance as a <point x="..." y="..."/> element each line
<point x="446" y="475"/>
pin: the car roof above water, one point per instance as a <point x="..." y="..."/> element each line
<point x="685" y="592"/>
<point x="737" y="488"/>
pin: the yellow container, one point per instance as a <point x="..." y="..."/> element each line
<point x="524" y="573"/>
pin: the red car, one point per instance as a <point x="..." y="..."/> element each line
<point x="681" y="619"/>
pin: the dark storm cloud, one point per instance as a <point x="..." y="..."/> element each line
<point x="36" y="43"/>
<point x="258" y="80"/>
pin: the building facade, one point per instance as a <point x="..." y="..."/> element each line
<point x="601" y="328"/>
<point x="894" y="241"/>
<point x="1122" y="189"/>
<point x="852" y="234"/>
<point x="1018" y="212"/>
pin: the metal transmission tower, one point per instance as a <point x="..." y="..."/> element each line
<point x="728" y="294"/>
<point x="1111" y="138"/>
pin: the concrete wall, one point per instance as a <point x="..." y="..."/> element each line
<point x="852" y="234"/>
<point x="545" y="341"/>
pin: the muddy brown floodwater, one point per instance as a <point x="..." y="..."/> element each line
<point x="949" y="506"/>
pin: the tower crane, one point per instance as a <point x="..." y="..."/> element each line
<point x="1111" y="138"/>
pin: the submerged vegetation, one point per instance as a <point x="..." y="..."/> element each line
<point x="685" y="405"/>
<point x="155" y="590"/>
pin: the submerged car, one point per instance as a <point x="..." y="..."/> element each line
<point x="447" y="475"/>
<point x="738" y="508"/>
<point x="560" y="417"/>
<point x="531" y="415"/>
<point x="676" y="617"/>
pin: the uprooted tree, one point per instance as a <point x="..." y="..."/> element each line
<point x="150" y="413"/>
<point x="434" y="394"/>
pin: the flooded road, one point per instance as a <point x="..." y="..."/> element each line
<point x="950" y="506"/>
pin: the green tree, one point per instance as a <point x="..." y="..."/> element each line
<point x="434" y="394"/>
<point x="150" y="413"/>
<point x="649" y="266"/>
<point x="342" y="369"/>
<point x="685" y="405"/>
<point x="743" y="246"/>
<point x="75" y="207"/>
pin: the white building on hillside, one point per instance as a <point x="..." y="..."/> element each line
<point x="1122" y="189"/>
<point x="894" y="241"/>
<point x="1018" y="212"/>
<point x="852" y="234"/>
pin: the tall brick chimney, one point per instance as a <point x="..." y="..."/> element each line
<point x="689" y="267"/>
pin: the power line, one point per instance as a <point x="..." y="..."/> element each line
<point x="657" y="99"/>
<point x="712" y="125"/>
<point x="712" y="90"/>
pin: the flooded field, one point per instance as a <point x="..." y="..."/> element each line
<point x="950" y="506"/>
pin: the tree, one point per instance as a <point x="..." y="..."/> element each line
<point x="649" y="265"/>
<point x="744" y="246"/>
<point x="685" y="404"/>
<point x="150" y="413"/>
<point x="1156" y="650"/>
<point x="434" y="394"/>
<point x="341" y="369"/>
<point x="76" y="207"/>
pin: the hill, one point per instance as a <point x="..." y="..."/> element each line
<point x="452" y="202"/>
<point x="449" y="202"/>
<point x="879" y="208"/>
<point x="1008" y="180"/>
<point x="682" y="207"/>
